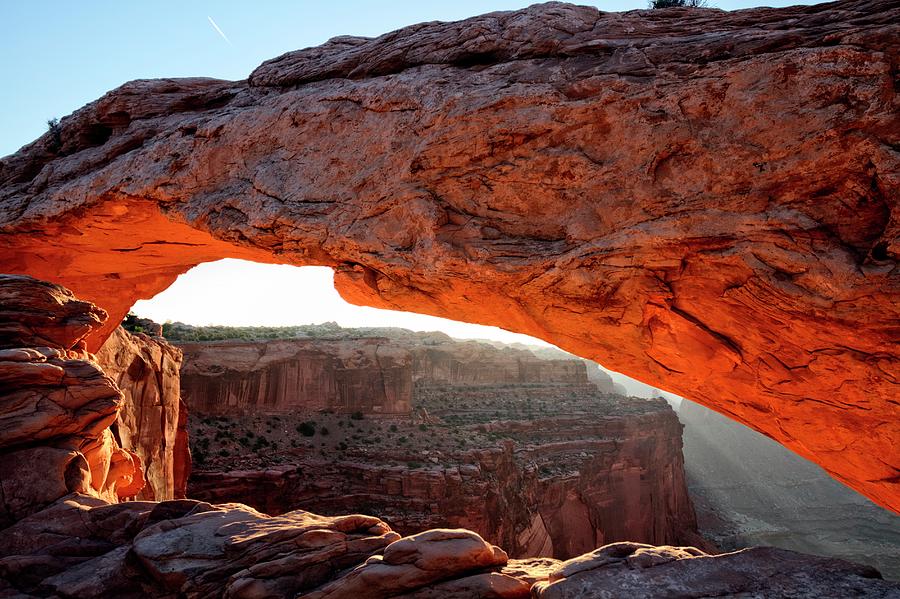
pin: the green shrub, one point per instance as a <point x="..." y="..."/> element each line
<point x="677" y="3"/>
<point x="356" y="416"/>
<point x="55" y="134"/>
<point x="307" y="429"/>
<point x="323" y="431"/>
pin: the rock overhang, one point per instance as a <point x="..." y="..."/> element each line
<point x="704" y="200"/>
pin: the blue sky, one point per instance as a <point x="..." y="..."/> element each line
<point x="60" y="55"/>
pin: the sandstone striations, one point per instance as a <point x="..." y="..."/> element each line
<point x="370" y="376"/>
<point x="704" y="200"/>
<point x="150" y="422"/>
<point x="56" y="404"/>
<point x="523" y="450"/>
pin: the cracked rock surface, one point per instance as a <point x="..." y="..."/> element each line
<point x="703" y="200"/>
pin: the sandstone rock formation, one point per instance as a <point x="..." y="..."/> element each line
<point x="370" y="376"/>
<point x="439" y="359"/>
<point x="522" y="450"/>
<point x="152" y="419"/>
<point x="644" y="572"/>
<point x="81" y="546"/>
<point x="56" y="404"/>
<point x="704" y="200"/>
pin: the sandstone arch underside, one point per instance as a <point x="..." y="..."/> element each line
<point x="706" y="201"/>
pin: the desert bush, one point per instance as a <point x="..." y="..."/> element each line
<point x="677" y="3"/>
<point x="356" y="415"/>
<point x="55" y="134"/>
<point x="307" y="429"/>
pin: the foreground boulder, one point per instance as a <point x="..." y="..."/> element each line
<point x="81" y="547"/>
<point x="646" y="572"/>
<point x="703" y="200"/>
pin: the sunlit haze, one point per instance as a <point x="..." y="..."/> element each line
<point x="240" y="293"/>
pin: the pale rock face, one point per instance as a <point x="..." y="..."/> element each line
<point x="146" y="370"/>
<point x="703" y="200"/>
<point x="369" y="376"/>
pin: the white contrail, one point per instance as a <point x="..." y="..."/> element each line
<point x="216" y="27"/>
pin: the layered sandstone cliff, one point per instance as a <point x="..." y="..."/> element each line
<point x="152" y="419"/>
<point x="703" y="200"/>
<point x="523" y="450"/>
<point x="442" y="360"/>
<point x="370" y="376"/>
<point x="56" y="404"/>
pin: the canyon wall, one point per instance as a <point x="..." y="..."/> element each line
<point x="152" y="419"/>
<point x="370" y="376"/>
<point x="704" y="200"/>
<point x="472" y="362"/>
<point x="551" y="466"/>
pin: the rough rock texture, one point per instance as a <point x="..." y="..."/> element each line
<point x="36" y="313"/>
<point x="56" y="404"/>
<point x="704" y="200"/>
<point x="749" y="490"/>
<point x="81" y="547"/>
<point x="149" y="423"/>
<point x="369" y="376"/>
<point x="439" y="359"/>
<point x="643" y="572"/>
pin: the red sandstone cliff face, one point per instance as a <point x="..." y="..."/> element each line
<point x="441" y="359"/>
<point x="703" y="200"/>
<point x="522" y="450"/>
<point x="369" y="375"/>
<point x="150" y="422"/>
<point x="56" y="404"/>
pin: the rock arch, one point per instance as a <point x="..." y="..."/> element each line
<point x="707" y="201"/>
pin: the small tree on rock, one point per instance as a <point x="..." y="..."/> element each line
<point x="677" y="3"/>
